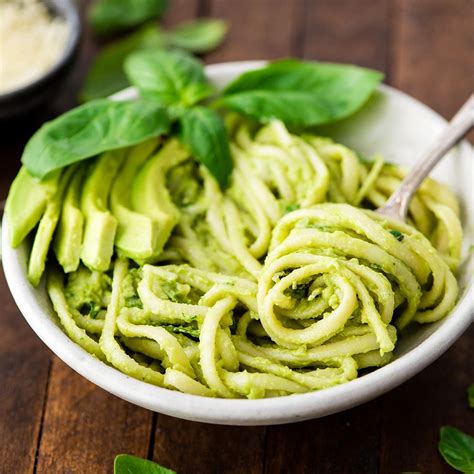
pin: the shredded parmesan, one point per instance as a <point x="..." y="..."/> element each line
<point x="31" y="42"/>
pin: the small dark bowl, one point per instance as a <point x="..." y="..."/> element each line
<point x="27" y="97"/>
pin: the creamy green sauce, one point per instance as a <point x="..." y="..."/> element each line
<point x="283" y="283"/>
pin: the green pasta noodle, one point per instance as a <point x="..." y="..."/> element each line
<point x="285" y="282"/>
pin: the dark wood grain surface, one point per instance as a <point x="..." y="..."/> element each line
<point x="54" y="421"/>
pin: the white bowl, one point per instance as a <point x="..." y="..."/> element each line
<point x="393" y="124"/>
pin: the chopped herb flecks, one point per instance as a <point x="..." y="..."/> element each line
<point x="291" y="208"/>
<point x="91" y="309"/>
<point x="397" y="234"/>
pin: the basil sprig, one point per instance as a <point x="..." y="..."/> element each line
<point x="111" y="16"/>
<point x="91" y="129"/>
<point x="298" y="93"/>
<point x="128" y="464"/>
<point x="175" y="86"/>
<point x="301" y="94"/>
<point x="457" y="449"/>
<point x="177" y="80"/>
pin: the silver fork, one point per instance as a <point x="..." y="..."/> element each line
<point x="396" y="206"/>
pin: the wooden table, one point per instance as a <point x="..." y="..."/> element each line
<point x="54" y="421"/>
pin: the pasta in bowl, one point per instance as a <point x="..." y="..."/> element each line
<point x="251" y="298"/>
<point x="279" y="285"/>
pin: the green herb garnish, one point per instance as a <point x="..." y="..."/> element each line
<point x="177" y="81"/>
<point x="300" y="291"/>
<point x="470" y="395"/>
<point x="174" y="84"/>
<point x="291" y="208"/>
<point x="397" y="234"/>
<point x="91" y="309"/>
<point x="173" y="79"/>
<point x="91" y="129"/>
<point x="457" y="449"/>
<point x="128" y="464"/>
<point x="203" y="131"/>
<point x="133" y="301"/>
<point x="299" y="93"/>
<point x="186" y="330"/>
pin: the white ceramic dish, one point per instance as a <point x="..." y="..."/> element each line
<point x="393" y="124"/>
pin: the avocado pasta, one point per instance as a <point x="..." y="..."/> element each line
<point x="284" y="282"/>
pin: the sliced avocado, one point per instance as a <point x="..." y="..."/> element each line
<point x="68" y="237"/>
<point x="137" y="234"/>
<point x="150" y="196"/>
<point x="101" y="225"/>
<point x="46" y="228"/>
<point x="27" y="202"/>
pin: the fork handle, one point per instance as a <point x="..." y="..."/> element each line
<point x="458" y="127"/>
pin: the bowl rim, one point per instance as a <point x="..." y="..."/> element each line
<point x="67" y="10"/>
<point x="235" y="411"/>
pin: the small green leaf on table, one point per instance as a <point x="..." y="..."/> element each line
<point x="171" y="78"/>
<point x="199" y="36"/>
<point x="457" y="449"/>
<point x="90" y="129"/>
<point x="203" y="131"/>
<point x="111" y="16"/>
<point x="128" y="464"/>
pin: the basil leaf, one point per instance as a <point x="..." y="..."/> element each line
<point x="457" y="449"/>
<point x="203" y="131"/>
<point x="90" y="129"/>
<point x="198" y="36"/>
<point x="106" y="75"/>
<point x="301" y="93"/>
<point x="171" y="78"/>
<point x="470" y="395"/>
<point x="110" y="16"/>
<point x="128" y="464"/>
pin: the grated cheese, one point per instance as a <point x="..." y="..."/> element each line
<point x="31" y="42"/>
